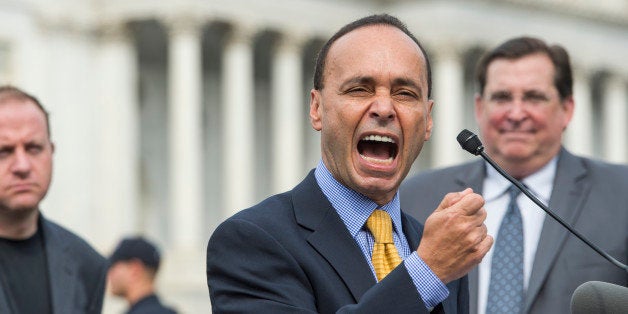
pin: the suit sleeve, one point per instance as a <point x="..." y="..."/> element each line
<point x="96" y="303"/>
<point x="394" y="294"/>
<point x="249" y="271"/>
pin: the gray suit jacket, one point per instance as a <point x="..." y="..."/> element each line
<point x="76" y="272"/>
<point x="592" y="196"/>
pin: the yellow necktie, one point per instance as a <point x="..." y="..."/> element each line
<point x="385" y="257"/>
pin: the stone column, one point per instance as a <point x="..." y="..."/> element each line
<point x="288" y="113"/>
<point x="238" y="110"/>
<point x="118" y="172"/>
<point x="579" y="133"/>
<point x="615" y="114"/>
<point x="185" y="132"/>
<point x="448" y="110"/>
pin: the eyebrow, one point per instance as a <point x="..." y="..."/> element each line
<point x="534" y="92"/>
<point x="499" y="93"/>
<point x="526" y="93"/>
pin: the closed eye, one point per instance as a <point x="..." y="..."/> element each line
<point x="358" y="91"/>
<point x="406" y="94"/>
<point x="34" y="149"/>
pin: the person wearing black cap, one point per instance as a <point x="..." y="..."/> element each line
<point x="133" y="268"/>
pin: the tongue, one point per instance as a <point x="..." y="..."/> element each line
<point x="374" y="150"/>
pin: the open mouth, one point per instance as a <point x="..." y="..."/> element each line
<point x="378" y="148"/>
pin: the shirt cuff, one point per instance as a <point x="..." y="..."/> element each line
<point x="431" y="289"/>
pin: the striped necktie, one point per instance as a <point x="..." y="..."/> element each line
<point x="385" y="256"/>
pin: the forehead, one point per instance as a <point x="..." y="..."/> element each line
<point x="376" y="47"/>
<point x="21" y="116"/>
<point x="16" y="103"/>
<point x="528" y="72"/>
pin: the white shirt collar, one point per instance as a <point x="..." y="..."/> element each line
<point x="539" y="183"/>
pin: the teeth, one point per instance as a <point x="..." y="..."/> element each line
<point x="378" y="138"/>
<point x="389" y="160"/>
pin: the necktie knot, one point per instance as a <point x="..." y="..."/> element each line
<point x="513" y="192"/>
<point x="380" y="226"/>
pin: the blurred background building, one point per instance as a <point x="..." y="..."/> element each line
<point x="169" y="116"/>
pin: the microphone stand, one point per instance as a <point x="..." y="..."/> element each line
<point x="525" y="191"/>
<point x="471" y="143"/>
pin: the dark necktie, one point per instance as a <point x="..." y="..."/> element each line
<point x="506" y="293"/>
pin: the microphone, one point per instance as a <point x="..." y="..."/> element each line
<point x="599" y="297"/>
<point x="471" y="143"/>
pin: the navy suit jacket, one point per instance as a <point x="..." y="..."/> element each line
<point x="293" y="254"/>
<point x="590" y="195"/>
<point x="76" y="272"/>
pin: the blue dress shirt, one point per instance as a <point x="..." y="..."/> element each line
<point x="355" y="208"/>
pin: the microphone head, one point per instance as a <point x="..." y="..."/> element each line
<point x="599" y="297"/>
<point x="470" y="142"/>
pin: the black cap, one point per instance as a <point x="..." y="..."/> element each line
<point x="136" y="248"/>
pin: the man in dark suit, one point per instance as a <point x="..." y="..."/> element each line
<point x="318" y="248"/>
<point x="44" y="268"/>
<point x="524" y="104"/>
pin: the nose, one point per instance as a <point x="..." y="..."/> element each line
<point x="382" y="109"/>
<point x="517" y="111"/>
<point x="21" y="164"/>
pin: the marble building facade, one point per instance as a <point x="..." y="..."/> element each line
<point x="169" y="116"/>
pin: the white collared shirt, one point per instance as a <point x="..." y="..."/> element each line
<point x="494" y="191"/>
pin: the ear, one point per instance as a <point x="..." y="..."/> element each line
<point x="478" y="107"/>
<point x="315" y="110"/>
<point x="430" y="121"/>
<point x="569" y="107"/>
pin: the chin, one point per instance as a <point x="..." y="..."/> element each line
<point x="24" y="207"/>
<point x="516" y="151"/>
<point x="517" y="157"/>
<point x="379" y="187"/>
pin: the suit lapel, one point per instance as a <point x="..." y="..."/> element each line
<point x="61" y="270"/>
<point x="569" y="192"/>
<point x="330" y="237"/>
<point x="413" y="235"/>
<point x="473" y="290"/>
<point x="473" y="177"/>
<point x="4" y="302"/>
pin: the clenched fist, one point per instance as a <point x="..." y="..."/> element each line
<point x="455" y="238"/>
